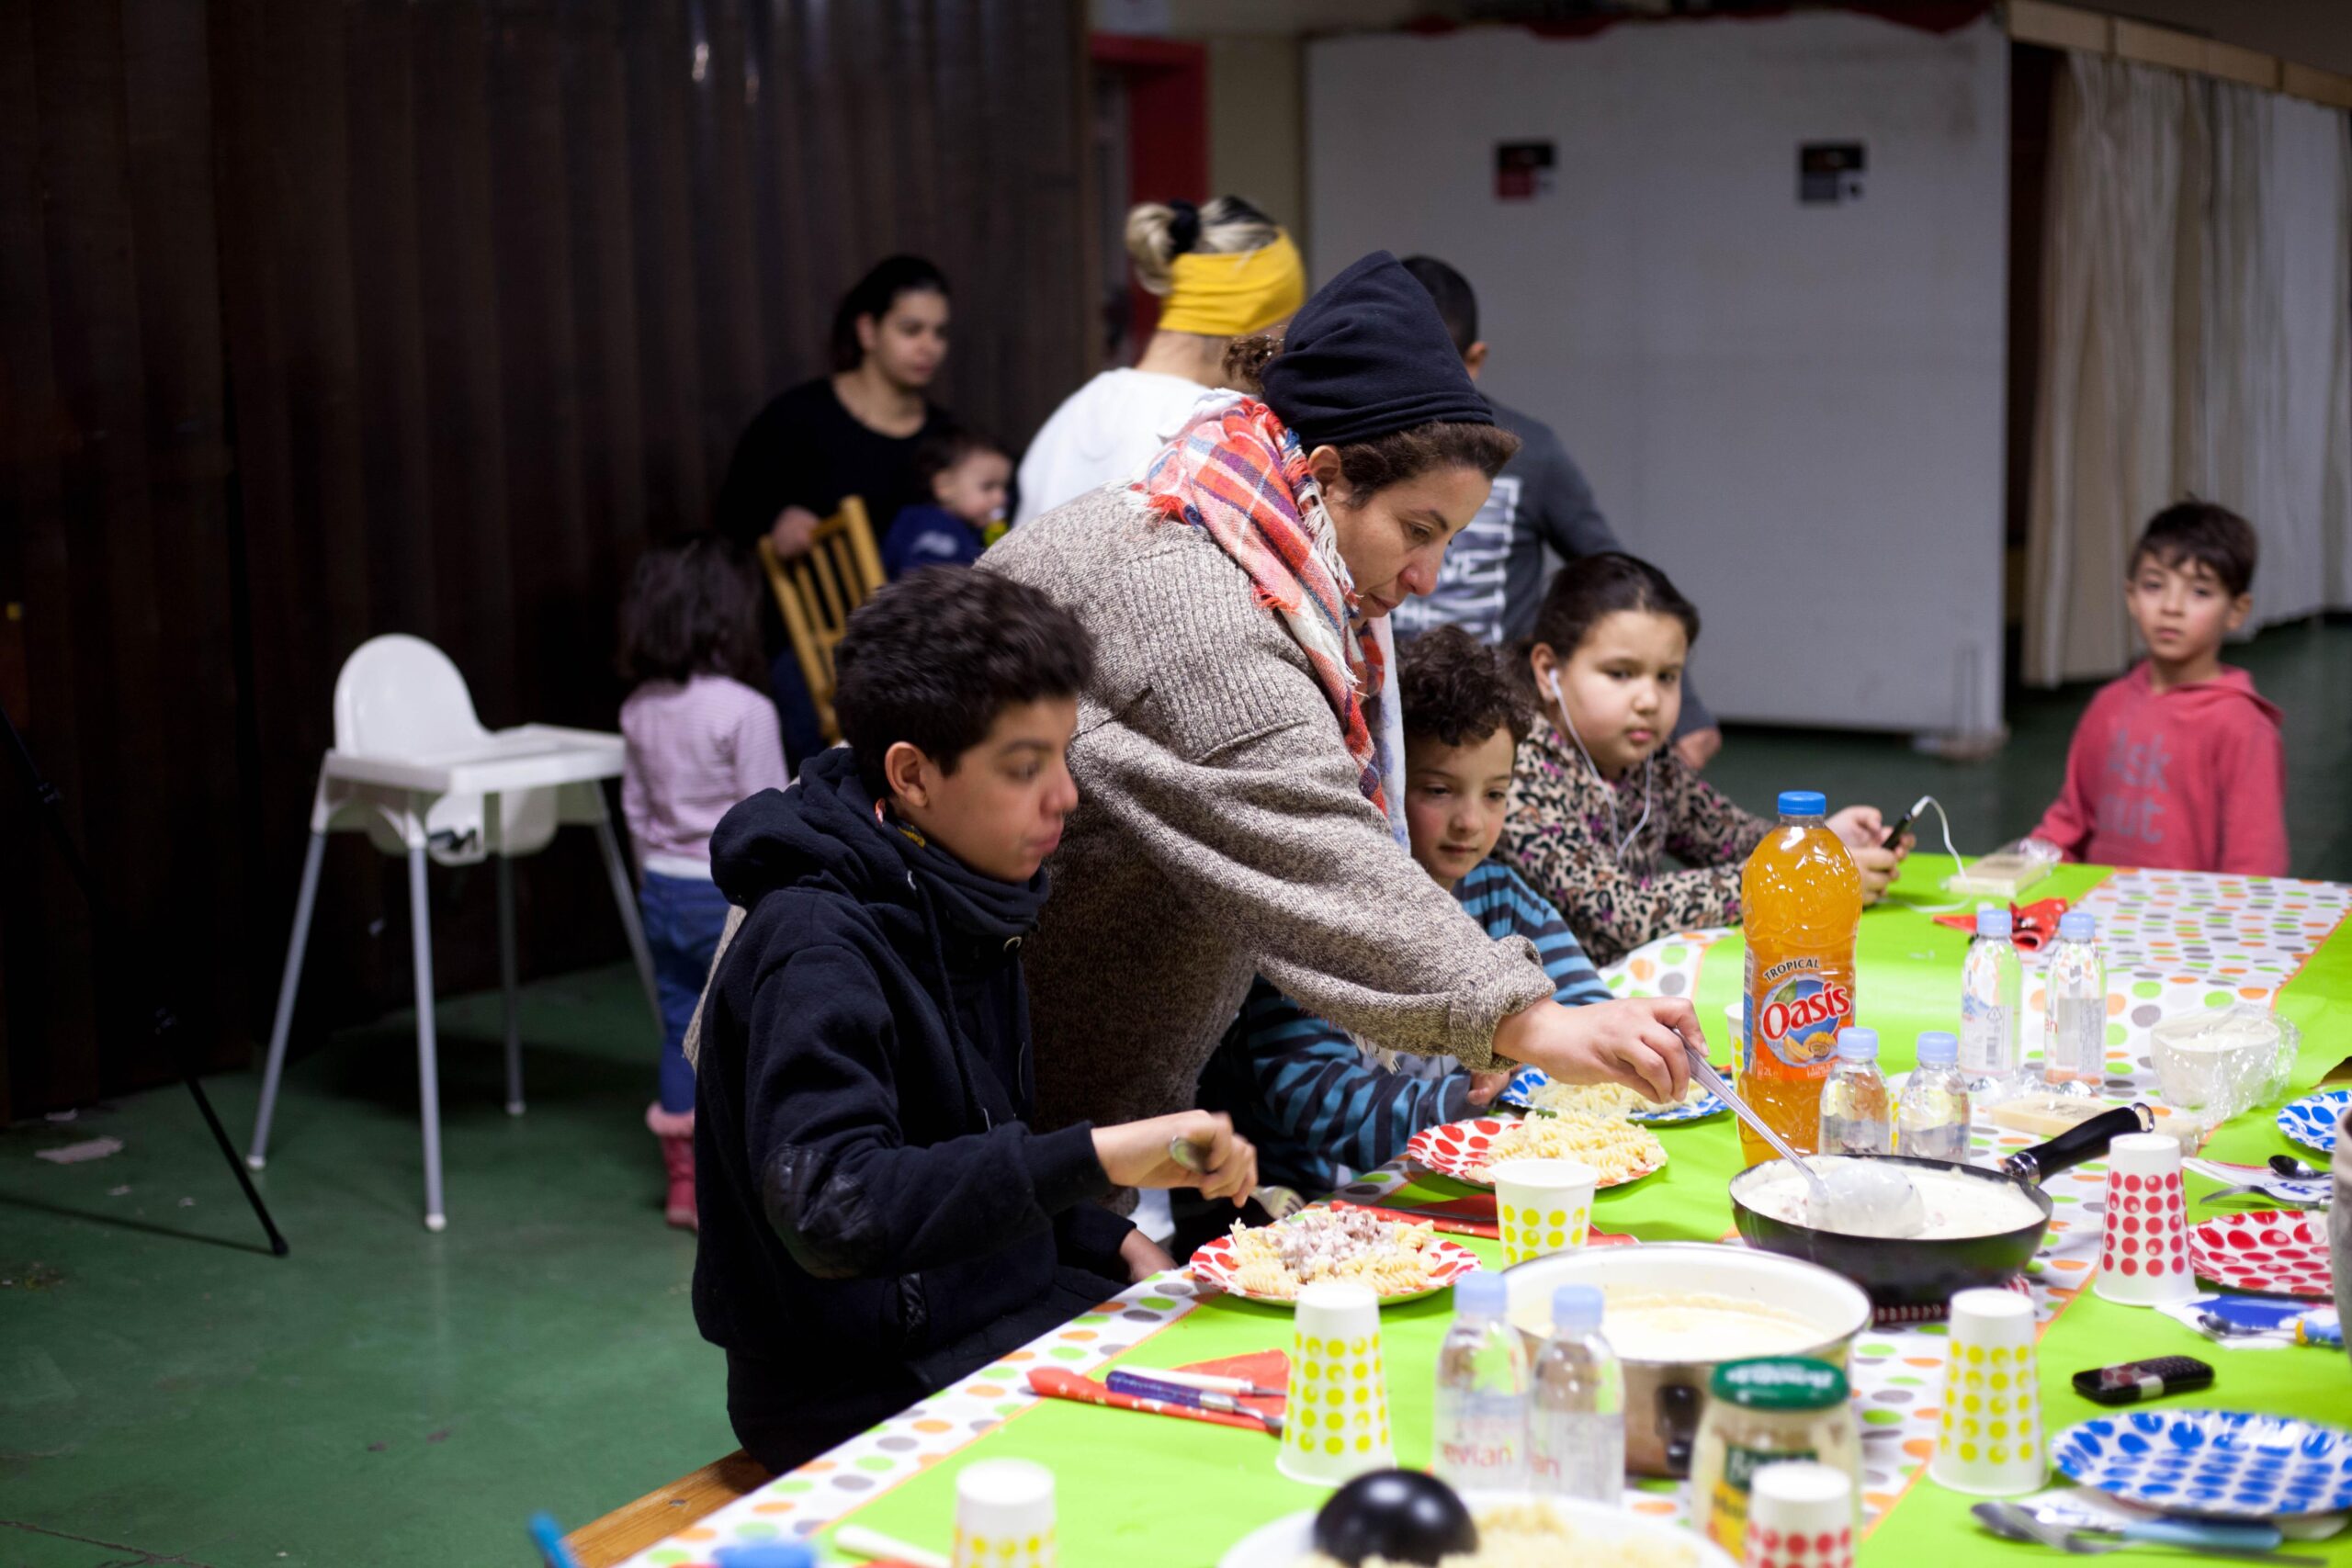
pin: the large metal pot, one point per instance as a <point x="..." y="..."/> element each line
<point x="1664" y="1399"/>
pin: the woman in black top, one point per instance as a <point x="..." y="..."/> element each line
<point x="852" y="432"/>
<point x="856" y="430"/>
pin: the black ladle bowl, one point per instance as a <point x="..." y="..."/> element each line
<point x="1400" y="1516"/>
<point x="1917" y="1272"/>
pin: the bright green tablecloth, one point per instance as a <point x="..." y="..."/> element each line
<point x="1144" y="1489"/>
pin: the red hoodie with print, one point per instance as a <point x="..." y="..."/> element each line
<point x="2190" y="779"/>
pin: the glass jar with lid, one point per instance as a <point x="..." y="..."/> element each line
<point x="1760" y="1412"/>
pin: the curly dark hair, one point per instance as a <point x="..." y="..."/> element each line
<point x="692" y="608"/>
<point x="933" y="659"/>
<point x="1456" y="691"/>
<point x="1375" y="465"/>
<point x="2199" y="532"/>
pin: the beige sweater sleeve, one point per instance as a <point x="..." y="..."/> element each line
<point x="1269" y="837"/>
<point x="1230" y="774"/>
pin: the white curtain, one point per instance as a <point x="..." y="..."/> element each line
<point x="2197" y="339"/>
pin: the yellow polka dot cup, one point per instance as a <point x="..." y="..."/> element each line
<point x="1335" y="1422"/>
<point x="1544" y="1205"/>
<point x="1004" y="1516"/>
<point x="1990" y="1442"/>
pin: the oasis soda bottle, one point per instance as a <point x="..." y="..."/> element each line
<point x="1800" y="901"/>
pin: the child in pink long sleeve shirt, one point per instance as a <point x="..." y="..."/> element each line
<point x="2180" y="764"/>
<point x="699" y="741"/>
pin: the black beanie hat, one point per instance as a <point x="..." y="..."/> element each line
<point x="1368" y="357"/>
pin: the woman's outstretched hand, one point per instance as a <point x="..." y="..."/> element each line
<point x="1638" y="1042"/>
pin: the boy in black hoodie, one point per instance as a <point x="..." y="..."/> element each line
<point x="878" y="1219"/>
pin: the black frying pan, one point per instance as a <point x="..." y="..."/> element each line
<point x="1922" y="1273"/>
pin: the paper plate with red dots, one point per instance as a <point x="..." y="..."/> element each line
<point x="2268" y="1250"/>
<point x="1589" y="1532"/>
<point x="1463" y="1150"/>
<point x="1214" y="1264"/>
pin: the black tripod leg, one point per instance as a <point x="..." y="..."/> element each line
<point x="220" y="1136"/>
<point x="164" y="1024"/>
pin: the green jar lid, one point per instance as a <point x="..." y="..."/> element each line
<point x="1779" y="1383"/>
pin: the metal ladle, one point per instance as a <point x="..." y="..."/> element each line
<point x="1859" y="1191"/>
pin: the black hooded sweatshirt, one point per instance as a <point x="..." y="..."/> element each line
<point x="878" y="1219"/>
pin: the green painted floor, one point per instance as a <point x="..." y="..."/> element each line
<point x="170" y="1394"/>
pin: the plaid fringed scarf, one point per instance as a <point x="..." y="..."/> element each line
<point x="1238" y="474"/>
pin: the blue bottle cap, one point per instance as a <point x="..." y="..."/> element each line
<point x="1804" y="803"/>
<point x="1938" y="1049"/>
<point x="1994" y="922"/>
<point x="1575" y="1309"/>
<point x="2078" y="925"/>
<point x="1856" y="1043"/>
<point x="1481" y="1293"/>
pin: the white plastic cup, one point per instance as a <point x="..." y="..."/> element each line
<point x="2143" y="1254"/>
<point x="1801" y="1514"/>
<point x="1544" y="1205"/>
<point x="1004" y="1516"/>
<point x="1335" y="1421"/>
<point x="1992" y="1441"/>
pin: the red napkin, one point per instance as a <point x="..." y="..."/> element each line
<point x="2031" y="925"/>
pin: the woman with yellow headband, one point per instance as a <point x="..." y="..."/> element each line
<point x="1226" y="270"/>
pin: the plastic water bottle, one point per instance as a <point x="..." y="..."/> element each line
<point x="1992" y="999"/>
<point x="1580" y="1422"/>
<point x="1482" y="1378"/>
<point x="2074" y="1033"/>
<point x="1932" y="1120"/>
<point x="1854" y="1118"/>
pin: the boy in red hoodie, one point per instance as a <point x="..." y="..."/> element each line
<point x="2180" y="764"/>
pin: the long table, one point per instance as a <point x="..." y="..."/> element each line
<point x="1136" y="1488"/>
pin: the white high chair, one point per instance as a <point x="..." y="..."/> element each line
<point x="413" y="767"/>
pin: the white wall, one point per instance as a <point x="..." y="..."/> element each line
<point x="1796" y="411"/>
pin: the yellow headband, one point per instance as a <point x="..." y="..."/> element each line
<point x="1233" y="295"/>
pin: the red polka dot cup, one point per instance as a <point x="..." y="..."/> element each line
<point x="2143" y="1256"/>
<point x="1801" y="1514"/>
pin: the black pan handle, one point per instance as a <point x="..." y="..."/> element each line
<point x="2072" y="1148"/>
<point x="1678" y="1424"/>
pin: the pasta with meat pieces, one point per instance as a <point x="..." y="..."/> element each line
<point x="1617" y="1150"/>
<point x="1279" y="1260"/>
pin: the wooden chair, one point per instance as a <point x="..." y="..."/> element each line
<point x="663" y="1512"/>
<point x="818" y="590"/>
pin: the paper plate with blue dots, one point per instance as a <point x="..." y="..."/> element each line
<point x="1520" y="1092"/>
<point x="2225" y="1464"/>
<point x="2310" y="1121"/>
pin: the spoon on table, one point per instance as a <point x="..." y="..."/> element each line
<point x="2294" y="1169"/>
<point x="2014" y="1521"/>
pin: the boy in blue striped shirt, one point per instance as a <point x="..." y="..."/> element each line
<point x="1318" y="1105"/>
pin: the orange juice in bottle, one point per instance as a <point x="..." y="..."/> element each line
<point x="1801" y="900"/>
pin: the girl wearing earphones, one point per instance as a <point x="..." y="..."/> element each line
<point x="1601" y="799"/>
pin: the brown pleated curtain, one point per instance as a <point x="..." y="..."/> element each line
<point x="320" y="319"/>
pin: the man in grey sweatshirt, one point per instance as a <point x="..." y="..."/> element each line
<point x="1541" y="505"/>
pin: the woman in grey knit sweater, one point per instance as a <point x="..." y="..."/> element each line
<point x="1233" y="781"/>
